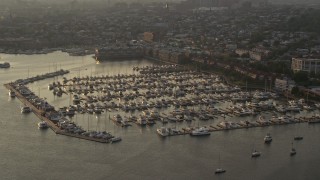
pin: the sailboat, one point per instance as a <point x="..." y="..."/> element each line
<point x="219" y="170"/>
<point x="293" y="151"/>
<point x="297" y="137"/>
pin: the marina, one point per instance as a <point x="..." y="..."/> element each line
<point x="141" y="141"/>
<point x="186" y="95"/>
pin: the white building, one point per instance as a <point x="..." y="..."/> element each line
<point x="284" y="84"/>
<point x="307" y="65"/>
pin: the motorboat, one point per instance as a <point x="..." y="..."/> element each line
<point x="262" y="121"/>
<point x="293" y="152"/>
<point x="163" y="131"/>
<point x="220" y="170"/>
<point x="255" y="153"/>
<point x="267" y="138"/>
<point x="141" y="121"/>
<point x="115" y="139"/>
<point x="4" y="65"/>
<point x="12" y="93"/>
<point x="43" y="125"/>
<point x="200" y="132"/>
<point x="297" y="138"/>
<point x="25" y="109"/>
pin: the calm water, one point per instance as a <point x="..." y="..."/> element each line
<point x="29" y="153"/>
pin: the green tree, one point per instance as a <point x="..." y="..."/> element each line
<point x="300" y="76"/>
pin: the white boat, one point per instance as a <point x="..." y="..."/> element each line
<point x="293" y="108"/>
<point x="12" y="94"/>
<point x="115" y="139"/>
<point x="262" y="120"/>
<point x="125" y="122"/>
<point x="255" y="153"/>
<point x="141" y="121"/>
<point x="25" y="109"/>
<point x="227" y="125"/>
<point x="200" y="132"/>
<point x="43" y="125"/>
<point x="267" y="138"/>
<point x="220" y="170"/>
<point x="163" y="131"/>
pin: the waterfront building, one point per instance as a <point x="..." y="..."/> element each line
<point x="304" y="64"/>
<point x="283" y="84"/>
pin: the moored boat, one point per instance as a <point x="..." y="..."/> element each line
<point x="200" y="132"/>
<point x="163" y="131"/>
<point x="25" y="109"/>
<point x="267" y="138"/>
<point x="43" y="125"/>
<point x="115" y="139"/>
<point x="12" y="93"/>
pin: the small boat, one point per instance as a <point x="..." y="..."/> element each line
<point x="115" y="139"/>
<point x="297" y="138"/>
<point x="255" y="153"/>
<point x="43" y="125"/>
<point x="12" y="94"/>
<point x="163" y="131"/>
<point x="25" y="109"/>
<point x="219" y="170"/>
<point x="4" y="65"/>
<point x="200" y="132"/>
<point x="267" y="138"/>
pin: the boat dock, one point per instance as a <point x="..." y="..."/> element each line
<point x="216" y="128"/>
<point x="53" y="125"/>
<point x="42" y="112"/>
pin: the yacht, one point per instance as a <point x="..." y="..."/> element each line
<point x="25" y="109"/>
<point x="255" y="153"/>
<point x="267" y="138"/>
<point x="43" y="125"/>
<point x="163" y="131"/>
<point x="115" y="139"/>
<point x="200" y="132"/>
<point x="220" y="170"/>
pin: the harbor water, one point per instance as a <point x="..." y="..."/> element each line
<point x="29" y="153"/>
